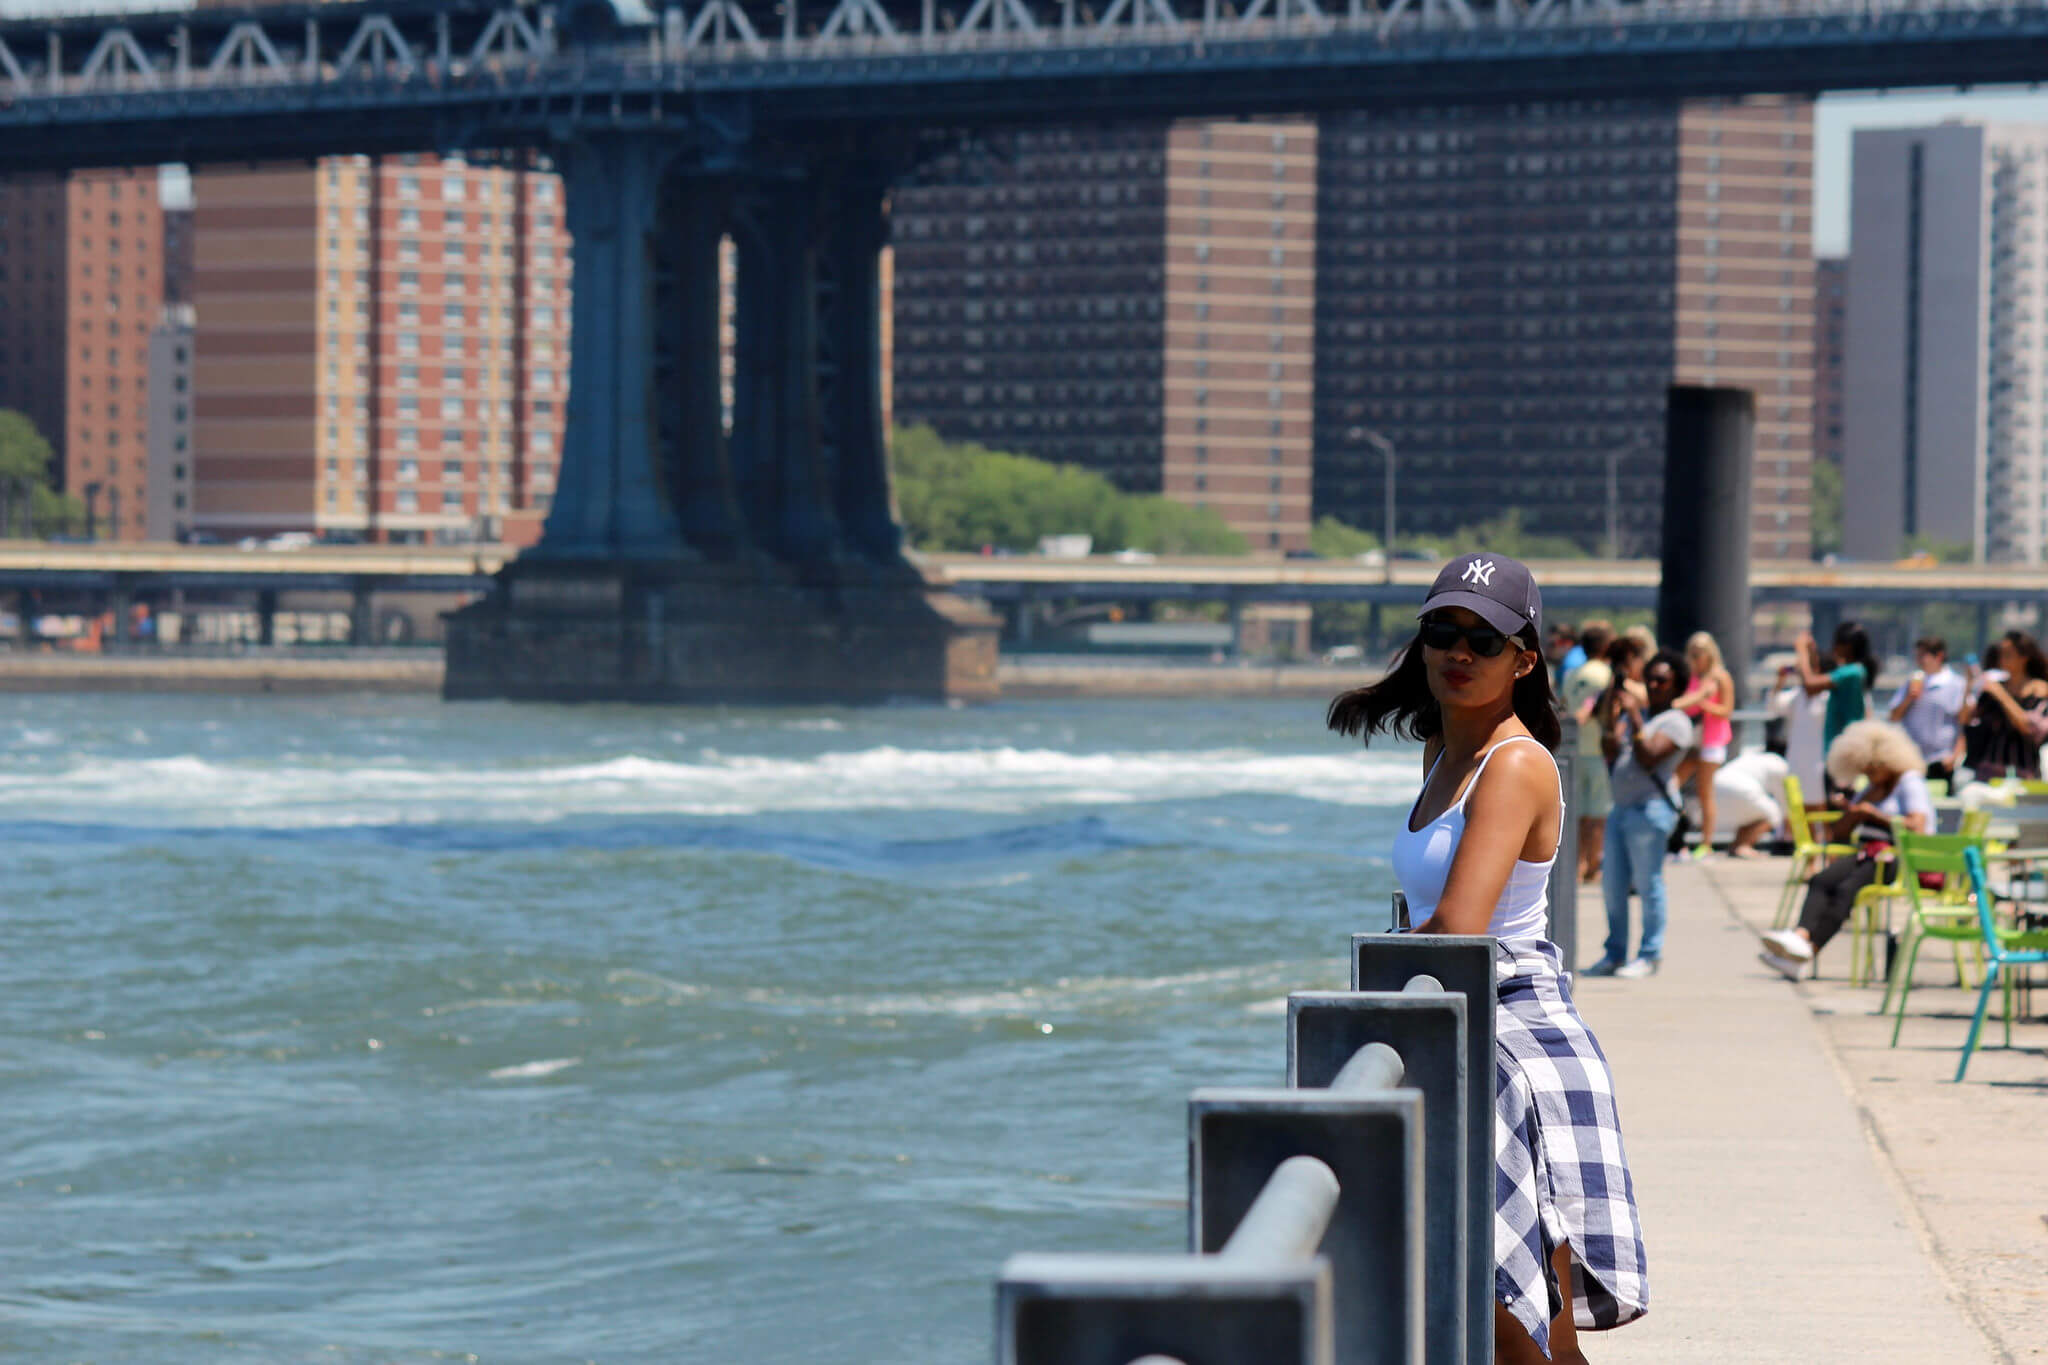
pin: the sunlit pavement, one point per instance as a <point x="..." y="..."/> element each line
<point x="1808" y="1193"/>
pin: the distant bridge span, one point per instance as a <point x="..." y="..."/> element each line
<point x="301" y="80"/>
<point x="780" y="126"/>
<point x="1567" y="584"/>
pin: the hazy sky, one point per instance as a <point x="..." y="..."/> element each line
<point x="1838" y="117"/>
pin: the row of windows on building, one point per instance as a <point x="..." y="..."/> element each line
<point x="408" y="437"/>
<point x="408" y="470"/>
<point x="451" y="314"/>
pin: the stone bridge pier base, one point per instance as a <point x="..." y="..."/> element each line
<point x="700" y="552"/>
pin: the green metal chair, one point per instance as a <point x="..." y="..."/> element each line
<point x="1810" y="850"/>
<point x="2004" y="950"/>
<point x="1944" y="915"/>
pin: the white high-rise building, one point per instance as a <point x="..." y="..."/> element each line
<point x="1943" y="370"/>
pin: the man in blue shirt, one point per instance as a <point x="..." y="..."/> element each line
<point x="1565" y="653"/>
<point x="1928" y="706"/>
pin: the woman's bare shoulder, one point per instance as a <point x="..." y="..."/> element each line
<point x="1524" y="759"/>
<point x="1520" y="782"/>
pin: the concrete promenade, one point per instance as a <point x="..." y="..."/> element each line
<point x="1809" y="1193"/>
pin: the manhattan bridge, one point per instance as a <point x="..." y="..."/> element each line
<point x="781" y="125"/>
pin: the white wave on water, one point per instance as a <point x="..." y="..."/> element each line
<point x="298" y="792"/>
<point x="1084" y="995"/>
<point x="528" y="1070"/>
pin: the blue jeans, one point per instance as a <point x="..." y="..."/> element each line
<point x="1635" y="857"/>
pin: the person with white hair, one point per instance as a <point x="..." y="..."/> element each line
<point x="1894" y="798"/>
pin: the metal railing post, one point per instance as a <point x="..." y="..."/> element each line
<point x="1265" y="1296"/>
<point x="1330" y="1037"/>
<point x="1382" y="965"/>
<point x="1564" y="876"/>
<point x="1372" y="1139"/>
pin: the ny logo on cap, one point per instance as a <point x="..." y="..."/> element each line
<point x="1480" y="571"/>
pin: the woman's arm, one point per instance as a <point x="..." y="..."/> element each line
<point x="1810" y="675"/>
<point x="2006" y="702"/>
<point x="1651" y="748"/>
<point x="1857" y="815"/>
<point x="1720" y="699"/>
<point x="1516" y="793"/>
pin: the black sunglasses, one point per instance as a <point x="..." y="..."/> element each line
<point x="1484" y="641"/>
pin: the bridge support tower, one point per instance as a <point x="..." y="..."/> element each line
<point x="691" y="554"/>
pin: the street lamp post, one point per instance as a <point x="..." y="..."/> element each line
<point x="1613" y="499"/>
<point x="1614" y="492"/>
<point x="1386" y="450"/>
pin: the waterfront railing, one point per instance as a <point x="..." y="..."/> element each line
<point x="1343" y="1219"/>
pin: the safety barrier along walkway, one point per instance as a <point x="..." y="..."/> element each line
<point x="1345" y="1219"/>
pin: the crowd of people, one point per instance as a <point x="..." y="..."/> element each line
<point x="1655" y="743"/>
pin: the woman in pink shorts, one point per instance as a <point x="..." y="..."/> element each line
<point x="1710" y="701"/>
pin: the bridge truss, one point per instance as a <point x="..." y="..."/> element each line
<point x="185" y="85"/>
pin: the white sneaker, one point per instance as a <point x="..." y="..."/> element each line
<point x="1789" y="943"/>
<point x="1639" y="968"/>
<point x="1786" y="967"/>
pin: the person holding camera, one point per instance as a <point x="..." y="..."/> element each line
<point x="1645" y="741"/>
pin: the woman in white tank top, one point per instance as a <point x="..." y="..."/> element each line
<point x="1474" y="857"/>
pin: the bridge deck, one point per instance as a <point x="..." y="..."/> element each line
<point x="1247" y="578"/>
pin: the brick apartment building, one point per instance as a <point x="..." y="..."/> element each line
<point x="1506" y="294"/>
<point x="1231" y="312"/>
<point x="81" y="289"/>
<point x="1137" y="300"/>
<point x="382" y="349"/>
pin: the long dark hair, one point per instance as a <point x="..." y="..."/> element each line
<point x="1854" y="638"/>
<point x="2033" y="663"/>
<point x="1401" y="702"/>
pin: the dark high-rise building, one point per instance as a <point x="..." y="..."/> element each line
<point x="178" y="255"/>
<point x="1135" y="300"/>
<point x="1505" y="294"/>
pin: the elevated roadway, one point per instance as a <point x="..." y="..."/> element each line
<point x="1570" y="584"/>
<point x="129" y="569"/>
<point x="1566" y="583"/>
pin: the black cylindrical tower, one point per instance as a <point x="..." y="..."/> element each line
<point x="1709" y="440"/>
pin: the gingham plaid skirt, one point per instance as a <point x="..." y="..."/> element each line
<point x="1560" y="1173"/>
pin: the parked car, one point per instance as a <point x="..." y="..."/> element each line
<point x="289" y="540"/>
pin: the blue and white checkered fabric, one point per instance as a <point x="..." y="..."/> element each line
<point x="1560" y="1174"/>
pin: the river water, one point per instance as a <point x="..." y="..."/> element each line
<point x="381" y="1030"/>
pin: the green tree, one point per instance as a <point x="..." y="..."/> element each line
<point x="1944" y="551"/>
<point x="1333" y="539"/>
<point x="1506" y="535"/>
<point x="29" y="504"/>
<point x="960" y="496"/>
<point x="1827" y="508"/>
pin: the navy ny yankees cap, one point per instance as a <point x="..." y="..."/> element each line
<point x="1501" y="590"/>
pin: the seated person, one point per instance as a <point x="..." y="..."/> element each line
<point x="1749" y="795"/>
<point x="1894" y="798"/>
